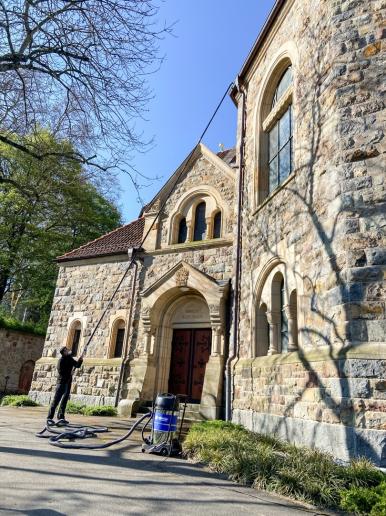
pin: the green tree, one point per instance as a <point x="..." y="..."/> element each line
<point x="47" y="207"/>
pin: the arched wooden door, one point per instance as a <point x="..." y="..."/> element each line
<point x="190" y="354"/>
<point x="25" y="378"/>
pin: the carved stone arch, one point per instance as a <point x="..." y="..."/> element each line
<point x="262" y="296"/>
<point x="286" y="55"/>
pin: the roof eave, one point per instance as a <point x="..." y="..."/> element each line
<point x="256" y="46"/>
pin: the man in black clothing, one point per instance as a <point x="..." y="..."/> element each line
<point x="66" y="363"/>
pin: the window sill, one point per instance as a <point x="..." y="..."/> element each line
<point x="188" y="246"/>
<point x="273" y="194"/>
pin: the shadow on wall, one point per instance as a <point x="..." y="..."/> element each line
<point x="351" y="278"/>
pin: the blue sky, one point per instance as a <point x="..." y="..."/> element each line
<point x="210" y="43"/>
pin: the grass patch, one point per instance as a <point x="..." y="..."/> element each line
<point x="18" y="400"/>
<point x="101" y="410"/>
<point x="267" y="463"/>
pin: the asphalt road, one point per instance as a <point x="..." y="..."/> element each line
<point x="37" y="479"/>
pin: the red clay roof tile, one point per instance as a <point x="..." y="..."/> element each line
<point x="116" y="242"/>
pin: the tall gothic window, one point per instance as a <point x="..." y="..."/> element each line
<point x="182" y="231"/>
<point x="217" y="225"/>
<point x="280" y="136"/>
<point x="200" y="222"/>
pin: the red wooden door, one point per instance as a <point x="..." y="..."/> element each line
<point x="190" y="353"/>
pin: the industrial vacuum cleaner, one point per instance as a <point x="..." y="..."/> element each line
<point x="163" y="439"/>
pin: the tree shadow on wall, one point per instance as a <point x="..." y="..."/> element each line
<point x="323" y="153"/>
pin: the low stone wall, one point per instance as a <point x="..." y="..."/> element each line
<point x="95" y="383"/>
<point x="17" y="348"/>
<point x="332" y="400"/>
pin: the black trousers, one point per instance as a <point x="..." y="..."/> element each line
<point x="63" y="390"/>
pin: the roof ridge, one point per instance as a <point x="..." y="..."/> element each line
<point x="99" y="238"/>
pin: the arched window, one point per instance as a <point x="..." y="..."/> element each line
<point x="279" y="316"/>
<point x="280" y="137"/>
<point x="217" y="225"/>
<point x="74" y="336"/>
<point x="117" y="339"/>
<point x="276" y="135"/>
<point x="182" y="231"/>
<point x="200" y="222"/>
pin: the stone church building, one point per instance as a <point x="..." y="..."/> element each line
<point x="259" y="291"/>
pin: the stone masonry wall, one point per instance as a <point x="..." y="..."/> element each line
<point x="16" y="348"/>
<point x="327" y="224"/>
<point x="83" y="291"/>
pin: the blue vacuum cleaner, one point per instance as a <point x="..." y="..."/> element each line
<point x="165" y="436"/>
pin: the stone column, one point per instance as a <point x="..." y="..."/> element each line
<point x="273" y="319"/>
<point x="292" y="346"/>
<point x="216" y="344"/>
<point x="209" y="228"/>
<point x="189" y="227"/>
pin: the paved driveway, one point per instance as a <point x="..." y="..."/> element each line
<point x="37" y="479"/>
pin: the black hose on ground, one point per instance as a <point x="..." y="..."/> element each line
<point x="72" y="432"/>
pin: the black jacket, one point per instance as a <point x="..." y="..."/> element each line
<point x="65" y="366"/>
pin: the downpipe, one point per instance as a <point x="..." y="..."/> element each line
<point x="233" y="352"/>
<point x="128" y="330"/>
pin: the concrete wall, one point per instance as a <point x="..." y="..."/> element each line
<point x="16" y="348"/>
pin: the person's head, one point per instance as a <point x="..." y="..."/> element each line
<point x="64" y="351"/>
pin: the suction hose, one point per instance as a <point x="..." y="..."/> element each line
<point x="72" y="432"/>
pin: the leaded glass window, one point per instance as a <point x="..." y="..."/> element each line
<point x="200" y="222"/>
<point x="280" y="161"/>
<point x="280" y="150"/>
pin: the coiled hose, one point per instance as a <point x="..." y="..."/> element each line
<point x="72" y="432"/>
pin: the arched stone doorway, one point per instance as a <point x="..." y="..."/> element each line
<point x="25" y="377"/>
<point x="184" y="346"/>
<point x="182" y="334"/>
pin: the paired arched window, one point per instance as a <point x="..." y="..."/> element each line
<point x="117" y="339"/>
<point x="276" y="138"/>
<point x="276" y="319"/>
<point x="74" y="337"/>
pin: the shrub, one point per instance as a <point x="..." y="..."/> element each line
<point x="75" y="408"/>
<point x="365" y="500"/>
<point x="10" y="323"/>
<point x="103" y="410"/>
<point x="18" y="400"/>
<point x="268" y="463"/>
